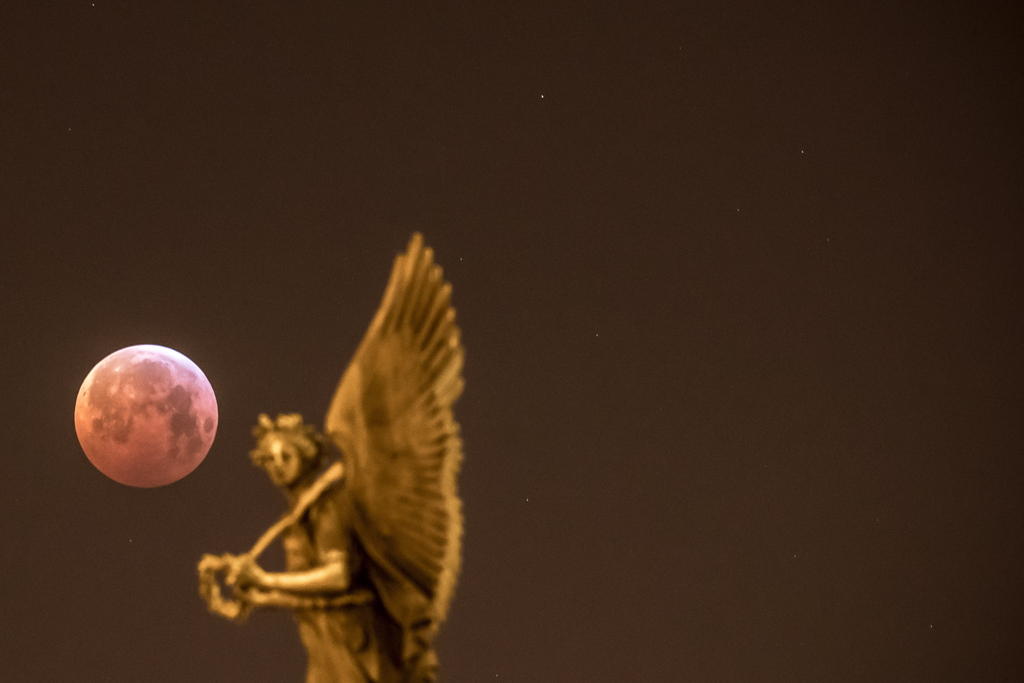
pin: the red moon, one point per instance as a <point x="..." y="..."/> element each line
<point x="146" y="416"/>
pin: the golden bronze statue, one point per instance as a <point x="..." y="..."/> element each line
<point x="372" y="536"/>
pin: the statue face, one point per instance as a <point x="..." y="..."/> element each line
<point x="281" y="459"/>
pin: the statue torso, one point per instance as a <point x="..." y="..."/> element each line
<point x="350" y="643"/>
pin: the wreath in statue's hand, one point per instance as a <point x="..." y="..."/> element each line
<point x="235" y="608"/>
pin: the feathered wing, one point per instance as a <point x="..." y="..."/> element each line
<point x="391" y="415"/>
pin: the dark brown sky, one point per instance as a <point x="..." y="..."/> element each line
<point x="739" y="288"/>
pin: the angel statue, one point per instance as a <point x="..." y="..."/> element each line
<point x="372" y="536"/>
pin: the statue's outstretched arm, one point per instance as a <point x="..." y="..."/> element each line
<point x="329" y="577"/>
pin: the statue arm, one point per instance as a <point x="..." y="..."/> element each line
<point x="331" y="576"/>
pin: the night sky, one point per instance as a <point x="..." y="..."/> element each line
<point x="738" y="285"/>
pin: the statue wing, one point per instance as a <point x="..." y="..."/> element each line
<point x="391" y="415"/>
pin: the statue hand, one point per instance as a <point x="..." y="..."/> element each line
<point x="244" y="574"/>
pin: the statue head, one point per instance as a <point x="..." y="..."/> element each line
<point x="286" y="447"/>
